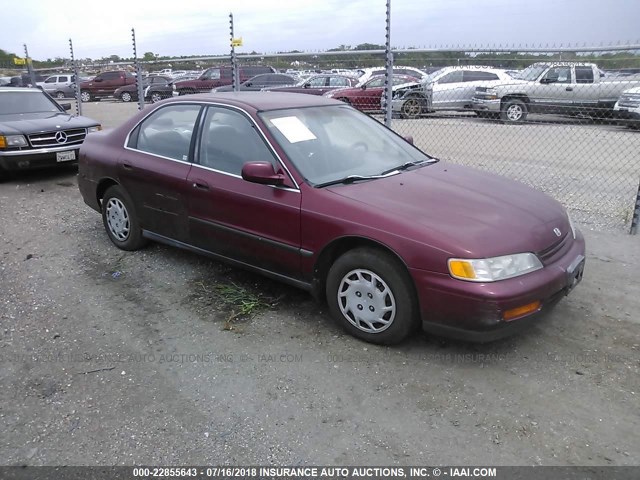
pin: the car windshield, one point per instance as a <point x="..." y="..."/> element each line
<point x="26" y="102"/>
<point x="531" y="73"/>
<point x="329" y="143"/>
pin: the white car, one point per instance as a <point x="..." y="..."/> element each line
<point x="367" y="73"/>
<point x="60" y="85"/>
<point x="450" y="88"/>
<point x="627" y="108"/>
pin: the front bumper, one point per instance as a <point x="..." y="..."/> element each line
<point x="37" y="158"/>
<point x="628" y="116"/>
<point x="482" y="105"/>
<point x="474" y="311"/>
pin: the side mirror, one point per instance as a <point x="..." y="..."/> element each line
<point x="547" y="80"/>
<point x="261" y="172"/>
<point x="66" y="106"/>
<point x="409" y="139"/>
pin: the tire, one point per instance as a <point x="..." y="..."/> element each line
<point x="371" y="296"/>
<point x="85" y="96"/>
<point x="411" y="108"/>
<point x="60" y="95"/>
<point x="120" y="219"/>
<point x="155" y="97"/>
<point x="126" y="97"/>
<point x="514" y="111"/>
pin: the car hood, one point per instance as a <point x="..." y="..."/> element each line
<point x="463" y="211"/>
<point x="407" y="85"/>
<point x="27" y="123"/>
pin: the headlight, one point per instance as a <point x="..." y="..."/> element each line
<point x="97" y="128"/>
<point x="493" y="269"/>
<point x="13" y="141"/>
<point x="573" y="229"/>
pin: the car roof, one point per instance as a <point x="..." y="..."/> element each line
<point x="20" y="89"/>
<point x="261" y="101"/>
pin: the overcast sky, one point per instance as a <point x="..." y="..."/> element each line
<point x="201" y="27"/>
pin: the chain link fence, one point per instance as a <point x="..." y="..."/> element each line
<point x="563" y="120"/>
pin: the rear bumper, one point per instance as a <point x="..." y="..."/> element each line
<point x="474" y="311"/>
<point x="34" y="159"/>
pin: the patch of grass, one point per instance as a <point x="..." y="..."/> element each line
<point x="240" y="302"/>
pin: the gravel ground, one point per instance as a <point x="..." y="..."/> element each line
<point x="110" y="357"/>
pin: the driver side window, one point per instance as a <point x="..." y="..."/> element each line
<point x="229" y="140"/>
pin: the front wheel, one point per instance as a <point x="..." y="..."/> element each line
<point x="371" y="295"/>
<point x="85" y="96"/>
<point x="514" y="111"/>
<point x="411" y="108"/>
<point x="120" y="220"/>
<point x="155" y="97"/>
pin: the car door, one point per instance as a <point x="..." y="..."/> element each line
<point x="367" y="97"/>
<point x="555" y="92"/>
<point x="444" y="95"/>
<point x="249" y="222"/>
<point x="155" y="165"/>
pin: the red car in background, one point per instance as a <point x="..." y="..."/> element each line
<point x="319" y="84"/>
<point x="367" y="97"/>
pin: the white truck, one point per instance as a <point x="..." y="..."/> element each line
<point x="566" y="88"/>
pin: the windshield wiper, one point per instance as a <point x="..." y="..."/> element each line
<point x="406" y="165"/>
<point x="352" y="178"/>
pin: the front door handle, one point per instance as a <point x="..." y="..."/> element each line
<point x="126" y="166"/>
<point x="200" y="185"/>
<point x="569" y="89"/>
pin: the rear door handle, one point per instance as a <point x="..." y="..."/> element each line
<point x="200" y="185"/>
<point x="569" y="89"/>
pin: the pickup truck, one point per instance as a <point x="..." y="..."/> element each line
<point x="105" y="84"/>
<point x="568" y="88"/>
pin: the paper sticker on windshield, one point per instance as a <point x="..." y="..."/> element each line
<point x="293" y="129"/>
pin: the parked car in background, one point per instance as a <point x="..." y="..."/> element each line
<point x="567" y="88"/>
<point x="129" y="93"/>
<point x="217" y="77"/>
<point x="105" y="84"/>
<point x="60" y="85"/>
<point x="367" y="73"/>
<point x="450" y="88"/>
<point x="259" y="82"/>
<point x="319" y="84"/>
<point x="627" y="108"/>
<point x="311" y="192"/>
<point x="36" y="132"/>
<point x="367" y="97"/>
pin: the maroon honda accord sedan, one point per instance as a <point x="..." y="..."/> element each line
<point x="310" y="191"/>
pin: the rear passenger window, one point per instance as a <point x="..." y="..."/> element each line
<point x="167" y="132"/>
<point x="584" y="75"/>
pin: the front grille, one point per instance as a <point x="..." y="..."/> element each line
<point x="48" y="139"/>
<point x="551" y="253"/>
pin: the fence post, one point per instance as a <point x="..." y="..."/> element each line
<point x="636" y="214"/>
<point x="388" y="78"/>
<point x="76" y="83"/>
<point x="139" y="88"/>
<point x="235" y="81"/>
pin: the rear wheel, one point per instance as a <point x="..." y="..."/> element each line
<point x="126" y="96"/>
<point x="155" y="97"/>
<point x="371" y="295"/>
<point x="60" y="95"/>
<point x="120" y="220"/>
